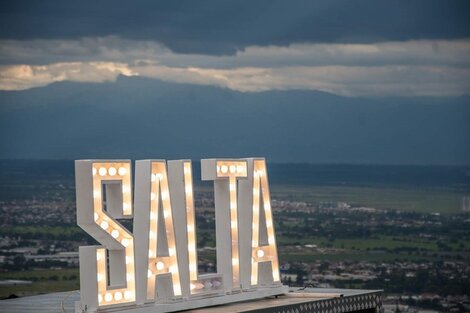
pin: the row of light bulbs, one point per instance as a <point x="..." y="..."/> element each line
<point x="111" y="171"/>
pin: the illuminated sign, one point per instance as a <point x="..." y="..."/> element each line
<point x="154" y="268"/>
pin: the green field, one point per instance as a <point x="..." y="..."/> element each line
<point x="44" y="281"/>
<point x="426" y="200"/>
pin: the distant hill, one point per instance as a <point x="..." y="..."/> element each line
<point x="142" y="118"/>
<point x="15" y="172"/>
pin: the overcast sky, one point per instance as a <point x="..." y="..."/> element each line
<point x="351" y="48"/>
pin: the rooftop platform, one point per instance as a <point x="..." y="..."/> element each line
<point x="296" y="301"/>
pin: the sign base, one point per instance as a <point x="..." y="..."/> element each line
<point x="195" y="303"/>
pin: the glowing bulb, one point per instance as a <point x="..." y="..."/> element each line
<point x="233" y="224"/>
<point x="186" y="169"/>
<point x="239" y="168"/>
<point x="232" y="187"/>
<point x="260" y="253"/>
<point x="104" y="225"/>
<point x="234" y="261"/>
<point x="102" y="171"/>
<point x="118" y="296"/>
<point x="125" y="189"/>
<point x="224" y="169"/>
<point x="96" y="194"/>
<point x="259" y="173"/>
<point x="232" y="169"/>
<point x="159" y="176"/>
<point x="127" y="295"/>
<point x="125" y="242"/>
<point x="122" y="171"/>
<point x="160" y="265"/>
<point x="98" y="257"/>
<point x="95" y="216"/>
<point x="173" y="269"/>
<point x="128" y="259"/>
<point x="100" y="298"/>
<point x="149" y="273"/>
<point x="94" y="173"/>
<point x="108" y="297"/>
<point x="164" y="195"/>
<point x="188" y="189"/>
<point x="192" y="267"/>
<point x="115" y="233"/>
<point x="271" y="240"/>
<point x="153" y="216"/>
<point x="125" y="206"/>
<point x="152" y="196"/>
<point x="190" y="228"/>
<point x="171" y="251"/>
<point x="112" y="171"/>
<point x="166" y="214"/>
<point x="99" y="277"/>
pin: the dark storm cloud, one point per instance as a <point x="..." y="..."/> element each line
<point x="222" y="27"/>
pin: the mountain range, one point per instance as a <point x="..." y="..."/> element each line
<point x="140" y="118"/>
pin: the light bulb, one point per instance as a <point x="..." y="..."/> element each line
<point x="100" y="298"/>
<point x="99" y="277"/>
<point x="149" y="273"/>
<point x="115" y="233"/>
<point x="171" y="251"/>
<point x="96" y="194"/>
<point x="260" y="253"/>
<point x="104" y="225"/>
<point x="232" y="169"/>
<point x="112" y="171"/>
<point x="239" y="168"/>
<point x="118" y="296"/>
<point x="188" y="189"/>
<point x="153" y="216"/>
<point x="95" y="216"/>
<point x="108" y="297"/>
<point x="160" y="265"/>
<point x="259" y="173"/>
<point x="94" y="173"/>
<point x="125" y="242"/>
<point x="102" y="171"/>
<point x="224" y="169"/>
<point x="122" y="171"/>
<point x="234" y="261"/>
<point x="152" y="196"/>
<point x="192" y="267"/>
<point x="128" y="259"/>
<point x="125" y="189"/>
<point x="127" y="295"/>
<point x="159" y="176"/>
